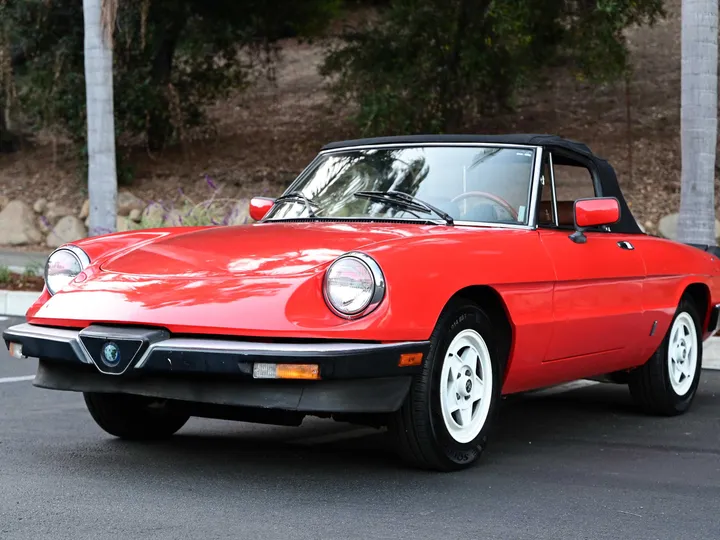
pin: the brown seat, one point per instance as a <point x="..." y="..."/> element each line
<point x="566" y="213"/>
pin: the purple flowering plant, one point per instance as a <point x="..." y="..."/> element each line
<point x="214" y="210"/>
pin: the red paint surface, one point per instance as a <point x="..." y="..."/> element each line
<point x="595" y="212"/>
<point x="576" y="310"/>
<point x="259" y="206"/>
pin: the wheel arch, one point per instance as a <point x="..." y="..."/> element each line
<point x="699" y="295"/>
<point x="492" y="302"/>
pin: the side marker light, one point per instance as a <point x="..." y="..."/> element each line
<point x="410" y="359"/>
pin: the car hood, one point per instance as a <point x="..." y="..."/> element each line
<point x="268" y="249"/>
<point x="265" y="280"/>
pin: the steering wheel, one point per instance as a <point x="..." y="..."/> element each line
<point x="494" y="198"/>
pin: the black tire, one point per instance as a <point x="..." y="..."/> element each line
<point x="135" y="417"/>
<point x="650" y="384"/>
<point x="418" y="429"/>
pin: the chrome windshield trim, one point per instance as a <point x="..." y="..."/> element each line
<point x="535" y="187"/>
<point x="428" y="222"/>
<point x="420" y="144"/>
<point x="490" y="225"/>
<point x="530" y="222"/>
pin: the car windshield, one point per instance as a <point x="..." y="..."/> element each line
<point x="483" y="184"/>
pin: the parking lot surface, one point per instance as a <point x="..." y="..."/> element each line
<point x="580" y="463"/>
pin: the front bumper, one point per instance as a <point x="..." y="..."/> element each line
<point x="354" y="377"/>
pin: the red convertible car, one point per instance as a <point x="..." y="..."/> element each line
<point x="406" y="282"/>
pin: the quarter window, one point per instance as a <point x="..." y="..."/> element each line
<point x="572" y="181"/>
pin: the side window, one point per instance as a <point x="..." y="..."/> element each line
<point x="573" y="181"/>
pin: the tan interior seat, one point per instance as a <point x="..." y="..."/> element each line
<point x="566" y="217"/>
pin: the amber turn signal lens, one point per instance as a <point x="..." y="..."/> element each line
<point x="286" y="371"/>
<point x="298" y="371"/>
<point x="410" y="359"/>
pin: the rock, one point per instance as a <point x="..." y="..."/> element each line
<point x="127" y="202"/>
<point x="17" y="225"/>
<point x="153" y="216"/>
<point x="667" y="227"/>
<point x="173" y="219"/>
<point x="85" y="210"/>
<point x="123" y="224"/>
<point x="4" y="201"/>
<point x="40" y="206"/>
<point x="68" y="229"/>
<point x="54" y="212"/>
<point x="135" y="215"/>
<point x="44" y="225"/>
<point x="240" y="213"/>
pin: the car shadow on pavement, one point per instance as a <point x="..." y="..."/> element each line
<point x="528" y="426"/>
<point x="546" y="419"/>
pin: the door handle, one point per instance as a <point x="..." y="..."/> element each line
<point x="626" y="245"/>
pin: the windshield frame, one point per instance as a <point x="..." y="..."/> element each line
<point x="529" y="224"/>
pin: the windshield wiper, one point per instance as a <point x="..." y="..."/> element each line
<point x="298" y="196"/>
<point x="406" y="201"/>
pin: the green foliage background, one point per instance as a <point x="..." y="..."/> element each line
<point x="419" y="66"/>
<point x="171" y="57"/>
<point x="429" y="65"/>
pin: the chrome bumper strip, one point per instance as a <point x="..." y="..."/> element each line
<point x="222" y="346"/>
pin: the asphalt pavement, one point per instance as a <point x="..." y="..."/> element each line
<point x="575" y="464"/>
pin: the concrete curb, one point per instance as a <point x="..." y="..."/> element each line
<point x="711" y="353"/>
<point x="16" y="303"/>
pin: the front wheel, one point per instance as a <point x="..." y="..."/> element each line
<point x="667" y="383"/>
<point x="135" y="417"/>
<point x="444" y="422"/>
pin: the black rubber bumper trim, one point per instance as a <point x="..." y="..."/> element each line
<point x="344" y="361"/>
<point x="345" y="365"/>
<point x="373" y="395"/>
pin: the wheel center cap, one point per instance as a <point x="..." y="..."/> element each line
<point x="464" y="387"/>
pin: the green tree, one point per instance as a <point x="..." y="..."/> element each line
<point x="428" y="65"/>
<point x="170" y="58"/>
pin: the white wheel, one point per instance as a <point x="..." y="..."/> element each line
<point x="466" y="386"/>
<point x="682" y="353"/>
<point x="450" y="409"/>
<point x="667" y="383"/>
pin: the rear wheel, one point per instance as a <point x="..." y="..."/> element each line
<point x="444" y="422"/>
<point x="667" y="383"/>
<point x="135" y="417"/>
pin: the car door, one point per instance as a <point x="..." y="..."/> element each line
<point x="598" y="290"/>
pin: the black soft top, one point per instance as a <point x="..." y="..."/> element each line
<point x="605" y="177"/>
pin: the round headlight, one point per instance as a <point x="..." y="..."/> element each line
<point x="354" y="285"/>
<point x="63" y="266"/>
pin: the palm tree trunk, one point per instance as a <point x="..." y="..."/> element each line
<point x="696" y="222"/>
<point x="102" y="174"/>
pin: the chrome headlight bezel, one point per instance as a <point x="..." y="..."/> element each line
<point x="78" y="254"/>
<point x="379" y="286"/>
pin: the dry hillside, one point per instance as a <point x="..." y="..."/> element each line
<point x="266" y="136"/>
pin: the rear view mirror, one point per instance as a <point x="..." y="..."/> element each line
<point x="260" y="206"/>
<point x="594" y="212"/>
